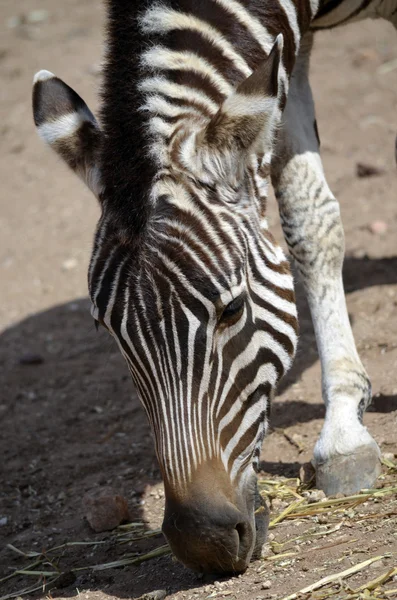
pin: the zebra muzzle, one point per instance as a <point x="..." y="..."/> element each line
<point x="209" y="535"/>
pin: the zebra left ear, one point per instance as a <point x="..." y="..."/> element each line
<point x="65" y="123"/>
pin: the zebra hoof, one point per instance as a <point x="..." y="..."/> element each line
<point x="348" y="474"/>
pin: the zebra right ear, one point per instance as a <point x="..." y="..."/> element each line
<point x="67" y="125"/>
<point x="244" y="123"/>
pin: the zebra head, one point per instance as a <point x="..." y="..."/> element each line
<point x="199" y="298"/>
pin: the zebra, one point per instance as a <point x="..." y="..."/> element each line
<point x="203" y="105"/>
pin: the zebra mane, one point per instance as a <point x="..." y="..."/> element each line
<point x="143" y="39"/>
<point x="126" y="166"/>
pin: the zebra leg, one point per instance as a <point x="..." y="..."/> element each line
<point x="346" y="457"/>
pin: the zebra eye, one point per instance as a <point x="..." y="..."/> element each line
<point x="233" y="311"/>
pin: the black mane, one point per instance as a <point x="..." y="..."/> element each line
<point x="127" y="170"/>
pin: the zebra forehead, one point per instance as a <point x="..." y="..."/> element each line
<point x="167" y="279"/>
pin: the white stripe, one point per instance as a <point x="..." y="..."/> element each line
<point x="256" y="29"/>
<point x="244" y="105"/>
<point x="159" y="127"/>
<point x="194" y="325"/>
<point x="62" y="127"/>
<point x="187" y="251"/>
<point x="182" y="201"/>
<point x="162" y="58"/>
<point x="161" y="19"/>
<point x="260" y="339"/>
<point x="160" y="106"/>
<point x="290" y="11"/>
<point x="181" y="92"/>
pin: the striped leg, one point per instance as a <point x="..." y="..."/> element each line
<point x="346" y="457"/>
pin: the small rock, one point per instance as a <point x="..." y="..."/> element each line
<point x="3" y="521"/>
<point x="95" y="69"/>
<point x="388" y="456"/>
<point x="316" y="496"/>
<point x="322" y="519"/>
<point x="366" y="170"/>
<point x="376" y="565"/>
<point x="105" y="511"/>
<point x="30" y="358"/>
<point x="377" y="227"/>
<point x="266" y="585"/>
<point x="155" y="595"/>
<point x="365" y="56"/>
<point x="69" y="264"/>
<point x="278" y="504"/>
<point x="38" y="16"/>
<point x="15" y="21"/>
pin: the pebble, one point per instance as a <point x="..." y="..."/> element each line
<point x="315" y="496"/>
<point x="105" y="510"/>
<point x="69" y="264"/>
<point x="322" y="519"/>
<point x="378" y="227"/>
<point x="38" y="16"/>
<point x="14" y="21"/>
<point x="32" y="17"/>
<point x="266" y="585"/>
<point x="3" y="521"/>
<point x="376" y="565"/>
<point x="278" y="504"/>
<point x="388" y="456"/>
<point x="367" y="170"/>
<point x="94" y="69"/>
<point x="155" y="595"/>
<point x="30" y="358"/>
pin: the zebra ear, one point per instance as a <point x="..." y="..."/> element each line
<point x="244" y="115"/>
<point x="246" y="120"/>
<point x="64" y="122"/>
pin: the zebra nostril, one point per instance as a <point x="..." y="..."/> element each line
<point x="241" y="528"/>
<point x="244" y="535"/>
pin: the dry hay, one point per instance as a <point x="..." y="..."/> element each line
<point x="290" y="500"/>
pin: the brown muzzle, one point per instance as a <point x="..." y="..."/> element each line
<point x="209" y="535"/>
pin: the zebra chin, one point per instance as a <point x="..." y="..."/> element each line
<point x="215" y="530"/>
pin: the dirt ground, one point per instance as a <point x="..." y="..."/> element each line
<point x="70" y="420"/>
